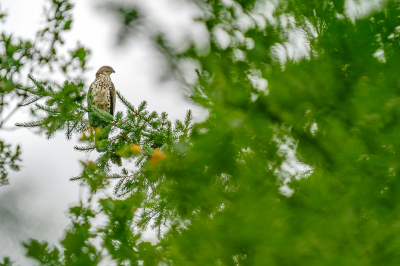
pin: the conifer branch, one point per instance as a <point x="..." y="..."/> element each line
<point x="31" y="124"/>
<point x="85" y="148"/>
<point x="30" y="100"/>
<point x="104" y="115"/>
<point x="126" y="102"/>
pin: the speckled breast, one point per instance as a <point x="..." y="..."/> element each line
<point x="101" y="92"/>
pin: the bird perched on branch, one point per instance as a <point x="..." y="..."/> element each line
<point x="101" y="95"/>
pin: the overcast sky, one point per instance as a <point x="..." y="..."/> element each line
<point x="35" y="202"/>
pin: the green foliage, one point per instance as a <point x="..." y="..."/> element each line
<point x="77" y="248"/>
<point x="42" y="253"/>
<point x="8" y="158"/>
<point x="63" y="106"/>
<point x="20" y="56"/>
<point x="119" y="240"/>
<point x="6" y="262"/>
<point x="215" y="191"/>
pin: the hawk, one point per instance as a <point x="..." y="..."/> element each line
<point x="102" y="95"/>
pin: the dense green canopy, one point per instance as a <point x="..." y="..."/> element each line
<point x="302" y="77"/>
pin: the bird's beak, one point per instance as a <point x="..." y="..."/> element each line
<point x="113" y="71"/>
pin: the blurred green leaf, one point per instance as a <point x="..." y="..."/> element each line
<point x="295" y="164"/>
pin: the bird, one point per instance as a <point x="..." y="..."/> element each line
<point x="101" y="94"/>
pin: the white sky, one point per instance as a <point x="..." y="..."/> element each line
<point x="35" y="202"/>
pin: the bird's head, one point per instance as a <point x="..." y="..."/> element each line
<point x="105" y="70"/>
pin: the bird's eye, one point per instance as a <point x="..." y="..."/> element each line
<point x="108" y="68"/>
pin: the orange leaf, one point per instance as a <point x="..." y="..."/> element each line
<point x="136" y="149"/>
<point x="157" y="156"/>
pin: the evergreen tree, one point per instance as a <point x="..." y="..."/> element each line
<point x="19" y="56"/>
<point x="214" y="190"/>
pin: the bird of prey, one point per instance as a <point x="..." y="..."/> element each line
<point x="102" y="95"/>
